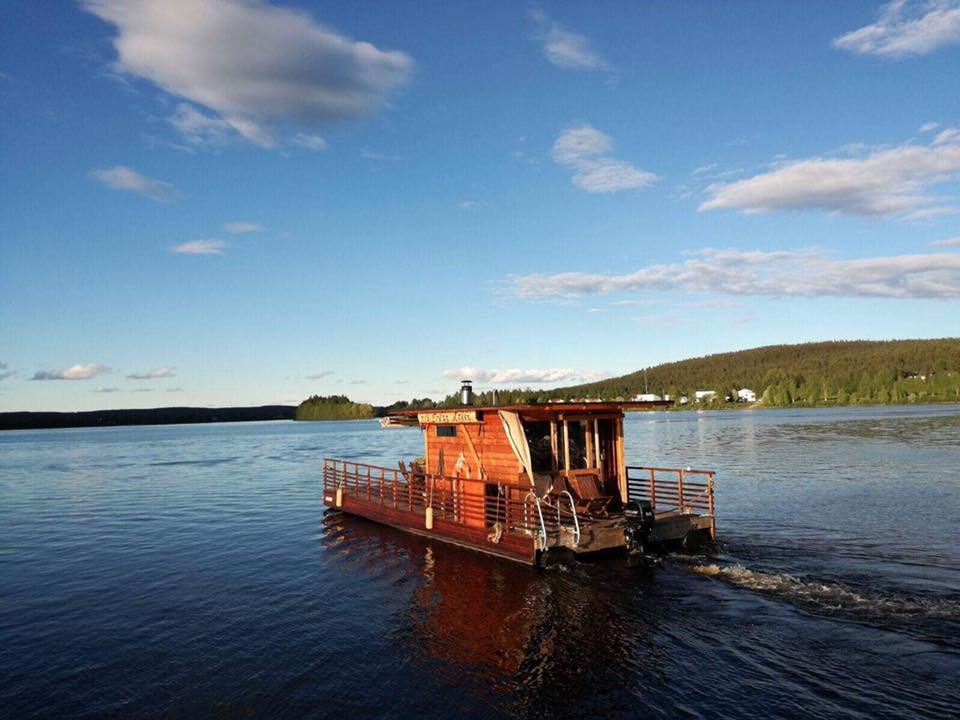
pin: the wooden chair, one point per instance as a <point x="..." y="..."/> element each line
<point x="587" y="492"/>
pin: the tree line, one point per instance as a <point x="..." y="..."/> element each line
<point x="826" y="373"/>
<point x="810" y="374"/>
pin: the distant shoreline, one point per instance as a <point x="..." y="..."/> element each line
<point x="151" y="416"/>
<point x="198" y="415"/>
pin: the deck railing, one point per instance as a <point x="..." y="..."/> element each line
<point x="470" y="502"/>
<point x="686" y="491"/>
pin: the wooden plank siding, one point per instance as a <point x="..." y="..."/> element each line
<point x="488" y="438"/>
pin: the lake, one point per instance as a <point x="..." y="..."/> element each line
<point x="193" y="572"/>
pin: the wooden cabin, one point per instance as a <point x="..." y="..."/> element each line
<point x="518" y="480"/>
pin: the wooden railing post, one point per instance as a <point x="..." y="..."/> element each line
<point x="653" y="489"/>
<point x="710" y="492"/>
<point x="680" y="488"/>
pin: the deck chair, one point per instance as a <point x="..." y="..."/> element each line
<point x="587" y="493"/>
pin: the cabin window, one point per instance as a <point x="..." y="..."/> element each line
<point x="446" y="430"/>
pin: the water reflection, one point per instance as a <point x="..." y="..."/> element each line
<point x="531" y="642"/>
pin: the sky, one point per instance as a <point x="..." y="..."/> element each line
<point x="234" y="203"/>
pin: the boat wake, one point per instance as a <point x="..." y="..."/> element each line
<point x="825" y="595"/>
<point x="871" y="605"/>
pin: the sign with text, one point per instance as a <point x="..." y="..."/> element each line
<point x="448" y="417"/>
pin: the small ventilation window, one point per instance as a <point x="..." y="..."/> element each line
<point x="446" y="430"/>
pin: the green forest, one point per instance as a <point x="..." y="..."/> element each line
<point x="810" y="374"/>
<point x="827" y="373"/>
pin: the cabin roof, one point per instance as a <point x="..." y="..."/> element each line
<point x="547" y="411"/>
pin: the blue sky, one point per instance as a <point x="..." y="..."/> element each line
<point x="239" y="203"/>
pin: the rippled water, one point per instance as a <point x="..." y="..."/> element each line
<point x="191" y="571"/>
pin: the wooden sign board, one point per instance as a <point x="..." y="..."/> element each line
<point x="448" y="417"/>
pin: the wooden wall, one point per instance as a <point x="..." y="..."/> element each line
<point x="488" y="438"/>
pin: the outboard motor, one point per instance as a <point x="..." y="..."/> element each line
<point x="639" y="524"/>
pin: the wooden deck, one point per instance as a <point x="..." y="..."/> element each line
<point x="509" y="523"/>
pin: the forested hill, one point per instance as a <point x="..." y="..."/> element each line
<point x="811" y="373"/>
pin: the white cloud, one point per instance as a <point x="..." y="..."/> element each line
<point x="320" y="375"/>
<point x="948" y="242"/>
<point x="929" y="127"/>
<point x="101" y="389"/>
<point x="239" y="228"/>
<point x="123" y="178"/>
<point x="631" y="303"/>
<point x="883" y="183"/>
<point x="566" y="49"/>
<point x="200" y="247"/>
<point x="932" y="212"/>
<point x="200" y="129"/>
<point x="315" y="143"/>
<point x="947" y="136"/>
<point x="163" y="372"/>
<point x="906" y="28"/>
<point x="513" y="375"/>
<point x="586" y="150"/>
<point x="467" y="204"/>
<point x="76" y="372"/>
<point x="800" y="273"/>
<point x="257" y="66"/>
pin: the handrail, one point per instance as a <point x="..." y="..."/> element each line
<point x="573" y="510"/>
<point x="686" y="493"/>
<point x="543" y="527"/>
<point x="455" y="500"/>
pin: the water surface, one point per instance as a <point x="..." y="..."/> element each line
<point x="192" y="571"/>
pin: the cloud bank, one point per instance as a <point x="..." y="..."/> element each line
<point x="587" y="151"/>
<point x="801" y="273"/>
<point x="513" y="376"/>
<point x="257" y="67"/>
<point x="906" y="28"/>
<point x="880" y="184"/>
<point x="77" y="372"/>
<point x="123" y="178"/>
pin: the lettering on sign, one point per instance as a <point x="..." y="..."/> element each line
<point x="450" y="417"/>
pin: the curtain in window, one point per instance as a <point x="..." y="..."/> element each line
<point x="518" y="440"/>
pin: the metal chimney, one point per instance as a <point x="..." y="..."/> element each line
<point x="466" y="392"/>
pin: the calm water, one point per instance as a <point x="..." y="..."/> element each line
<point x="191" y="571"/>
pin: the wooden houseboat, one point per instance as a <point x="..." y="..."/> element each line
<point x="517" y="481"/>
